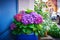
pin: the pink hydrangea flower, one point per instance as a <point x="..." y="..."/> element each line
<point x="18" y="17"/>
<point x="12" y="26"/>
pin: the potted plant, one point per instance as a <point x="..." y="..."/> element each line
<point x="26" y="25"/>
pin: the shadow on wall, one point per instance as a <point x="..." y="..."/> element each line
<point x="7" y="11"/>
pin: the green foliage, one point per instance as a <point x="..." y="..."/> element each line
<point x="52" y="28"/>
<point x="21" y="28"/>
<point x="42" y="27"/>
<point x="28" y="11"/>
<point x="47" y="24"/>
<point x="54" y="31"/>
<point x="37" y="9"/>
<point x="26" y="29"/>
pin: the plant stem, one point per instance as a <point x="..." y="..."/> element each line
<point x="38" y="36"/>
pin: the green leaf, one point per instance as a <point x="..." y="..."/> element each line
<point x="34" y="29"/>
<point x="31" y="25"/>
<point x="24" y="30"/>
<point x="14" y="21"/>
<point x="23" y="26"/>
<point x="36" y="33"/>
<point x="14" y="32"/>
<point x="42" y="33"/>
<point x="39" y="27"/>
<point x="28" y="11"/>
<point x="28" y="31"/>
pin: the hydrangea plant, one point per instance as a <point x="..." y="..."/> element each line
<point x="26" y="22"/>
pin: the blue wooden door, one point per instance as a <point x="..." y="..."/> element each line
<point x="7" y="11"/>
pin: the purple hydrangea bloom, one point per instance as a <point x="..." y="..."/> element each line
<point x="27" y="19"/>
<point x="37" y="18"/>
<point x="34" y="14"/>
<point x="12" y="26"/>
<point x="24" y="19"/>
<point x="31" y="18"/>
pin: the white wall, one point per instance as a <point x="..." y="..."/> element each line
<point x="25" y="4"/>
<point x="58" y="3"/>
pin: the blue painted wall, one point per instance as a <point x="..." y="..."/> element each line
<point x="7" y="11"/>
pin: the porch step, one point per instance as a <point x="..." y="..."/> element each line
<point x="47" y="38"/>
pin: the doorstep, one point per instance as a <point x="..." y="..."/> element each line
<point x="47" y="38"/>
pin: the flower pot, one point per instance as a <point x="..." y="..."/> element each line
<point x="27" y="37"/>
